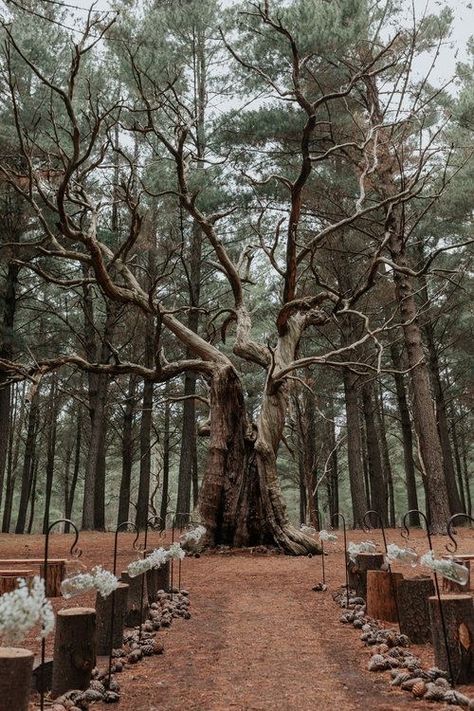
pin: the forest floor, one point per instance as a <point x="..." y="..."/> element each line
<point x="259" y="638"/>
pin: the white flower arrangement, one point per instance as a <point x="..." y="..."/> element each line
<point x="24" y="608"/>
<point x="155" y="559"/>
<point x="404" y="555"/>
<point x="105" y="582"/>
<point x="364" y="547"/>
<point x="194" y="535"/>
<point x="447" y="568"/>
<point x="98" y="579"/>
<point x="159" y="557"/>
<point x="326" y="537"/>
<point x="175" y="551"/>
<point x="138" y="567"/>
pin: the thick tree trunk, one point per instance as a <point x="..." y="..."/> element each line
<point x="387" y="467"/>
<point x="75" y="474"/>
<point x="332" y="480"/>
<point x="50" y="451"/>
<point x="407" y="435"/>
<point x="354" y="449"/>
<point x="6" y="351"/>
<point x="143" y="501"/>
<point x="378" y="485"/>
<point x="28" y="461"/>
<point x="127" y="452"/>
<point x="13" y="454"/>
<point x="424" y="413"/>
<point x="166" y="465"/>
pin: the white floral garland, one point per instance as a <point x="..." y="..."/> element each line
<point x="404" y="555"/>
<point x="24" y="608"/>
<point x="155" y="559"/>
<point x="325" y="536"/>
<point x="447" y="568"/>
<point x="364" y="547"/>
<point x="194" y="535"/>
<point x="98" y="579"/>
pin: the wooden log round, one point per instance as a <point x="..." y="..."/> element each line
<point x="452" y="586"/>
<point x="133" y="617"/>
<point x="9" y="580"/>
<point x="103" y="608"/>
<point x="413" y="594"/>
<point x="16" y="667"/>
<point x="74" y="649"/>
<point x="56" y="575"/>
<point x="381" y="594"/>
<point x="358" y="571"/>
<point x="158" y="579"/>
<point x="458" y="611"/>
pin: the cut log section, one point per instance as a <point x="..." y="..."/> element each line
<point x="16" y="667"/>
<point x="358" y="571"/>
<point x="9" y="579"/>
<point x="158" y="579"/>
<point x="56" y="575"/>
<point x="133" y="617"/>
<point x="458" y="612"/>
<point x="413" y="595"/>
<point x="74" y="649"/>
<point x="382" y="594"/>
<point x="103" y="608"/>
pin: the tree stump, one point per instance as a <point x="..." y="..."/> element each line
<point x="458" y="611"/>
<point x="451" y="586"/>
<point x="358" y="571"/>
<point x="133" y="616"/>
<point x="103" y="608"/>
<point x="413" y="594"/>
<point x="158" y="579"/>
<point x="9" y="579"/>
<point x="74" y="649"/>
<point x="382" y="594"/>
<point x="56" y="575"/>
<point x="16" y="667"/>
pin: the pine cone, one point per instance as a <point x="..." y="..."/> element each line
<point x="147" y="650"/>
<point x="419" y="689"/>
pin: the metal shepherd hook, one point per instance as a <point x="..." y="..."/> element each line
<point x="367" y="526"/>
<point x="406" y="534"/>
<point x="75" y="552"/>
<point x="130" y="526"/>
<point x="340" y="516"/>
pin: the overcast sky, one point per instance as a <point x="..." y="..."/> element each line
<point x="463" y="28"/>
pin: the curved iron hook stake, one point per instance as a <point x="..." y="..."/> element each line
<point x="341" y="516"/>
<point x="74" y="551"/>
<point x="406" y="534"/>
<point x="452" y="547"/>
<point x="365" y="523"/>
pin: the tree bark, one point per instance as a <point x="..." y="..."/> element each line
<point x="28" y="461"/>
<point x="50" y="450"/>
<point x="378" y="485"/>
<point x="382" y="594"/>
<point x="166" y="465"/>
<point x="458" y="614"/>
<point x="407" y="435"/>
<point x="74" y="650"/>
<point x="127" y="451"/>
<point x="16" y="668"/>
<point x="354" y="449"/>
<point x="413" y="594"/>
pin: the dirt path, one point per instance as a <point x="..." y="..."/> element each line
<point x="259" y="638"/>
